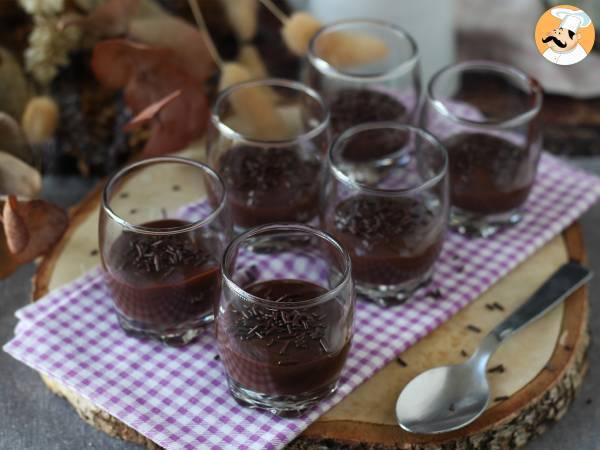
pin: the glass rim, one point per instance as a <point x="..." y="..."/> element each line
<point x="327" y="69"/>
<point x="105" y="202"/>
<point x="286" y="226"/>
<point x="341" y="175"/>
<point x="232" y="134"/>
<point x="499" y="68"/>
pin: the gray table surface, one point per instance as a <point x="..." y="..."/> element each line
<point x="32" y="418"/>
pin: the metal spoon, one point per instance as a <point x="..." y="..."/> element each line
<point x="447" y="398"/>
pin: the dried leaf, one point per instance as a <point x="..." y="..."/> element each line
<point x="148" y="75"/>
<point x="17" y="177"/>
<point x="15" y="88"/>
<point x="151" y="111"/>
<point x="32" y="227"/>
<point x="17" y="235"/>
<point x="109" y="19"/>
<point x="116" y="61"/>
<point x="177" y="35"/>
<point x="12" y="139"/>
<point x="182" y="120"/>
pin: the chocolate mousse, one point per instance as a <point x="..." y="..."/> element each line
<point x="285" y="351"/>
<point x="391" y="240"/>
<point x="271" y="184"/>
<point x="160" y="282"/>
<point x="487" y="173"/>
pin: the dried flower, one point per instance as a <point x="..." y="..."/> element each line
<point x="43" y="7"/>
<point x="49" y="48"/>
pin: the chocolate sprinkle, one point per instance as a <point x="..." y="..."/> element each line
<point x="299" y="328"/>
<point x="401" y="362"/>
<point x="217" y="357"/>
<point x="94" y="252"/>
<point x="463" y="353"/>
<point x="496" y="369"/>
<point x="176" y="187"/>
<point x="588" y="401"/>
<point x="489" y="307"/>
<point x="435" y="294"/>
<point x="124" y="194"/>
<point x="161" y="254"/>
<point x="376" y="219"/>
<point x="501" y="398"/>
<point x="498" y="306"/>
<point x="473" y="328"/>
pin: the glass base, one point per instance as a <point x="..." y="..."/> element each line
<point x="482" y="226"/>
<point x="280" y="404"/>
<point x="391" y="295"/>
<point x="173" y="336"/>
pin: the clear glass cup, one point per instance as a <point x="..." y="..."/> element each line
<point x="390" y="211"/>
<point x="285" y="319"/>
<point x="268" y="140"/>
<point x="487" y="116"/>
<point x="385" y="87"/>
<point x="164" y="224"/>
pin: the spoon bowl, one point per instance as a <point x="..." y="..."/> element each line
<point x="443" y="399"/>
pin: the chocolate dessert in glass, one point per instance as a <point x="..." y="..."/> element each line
<point x="161" y="246"/>
<point x="487" y="116"/>
<point x="390" y="212"/>
<point x="268" y="140"/>
<point x="379" y="83"/>
<point x="284" y="322"/>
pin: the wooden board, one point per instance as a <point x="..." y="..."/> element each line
<point x="544" y="363"/>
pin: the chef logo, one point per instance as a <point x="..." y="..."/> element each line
<point x="564" y="35"/>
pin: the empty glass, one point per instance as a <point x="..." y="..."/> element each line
<point x="164" y="224"/>
<point x="486" y="115"/>
<point x="268" y="140"/>
<point x="379" y="83"/>
<point x="390" y="211"/>
<point x="284" y="322"/>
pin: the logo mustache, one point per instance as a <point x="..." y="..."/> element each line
<point x="555" y="40"/>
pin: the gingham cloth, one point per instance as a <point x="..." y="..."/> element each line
<point x="178" y="397"/>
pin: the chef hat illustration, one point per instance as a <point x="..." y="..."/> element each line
<point x="571" y="19"/>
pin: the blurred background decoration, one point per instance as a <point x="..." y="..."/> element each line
<point x="83" y="82"/>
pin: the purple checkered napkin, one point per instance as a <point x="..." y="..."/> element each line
<point x="178" y="397"/>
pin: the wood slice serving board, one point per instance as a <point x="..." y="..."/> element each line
<point x="543" y="365"/>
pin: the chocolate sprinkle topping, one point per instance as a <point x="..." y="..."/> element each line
<point x="351" y="107"/>
<point x="162" y="254"/>
<point x="401" y="362"/>
<point x="473" y="328"/>
<point x="377" y="220"/>
<point x="497" y="369"/>
<point x="287" y="329"/>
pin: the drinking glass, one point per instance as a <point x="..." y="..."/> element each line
<point x="163" y="227"/>
<point x="384" y="87"/>
<point x="284" y="322"/>
<point x="487" y="116"/>
<point x="390" y="211"/>
<point x="268" y="140"/>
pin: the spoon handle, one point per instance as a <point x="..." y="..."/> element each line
<point x="568" y="278"/>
